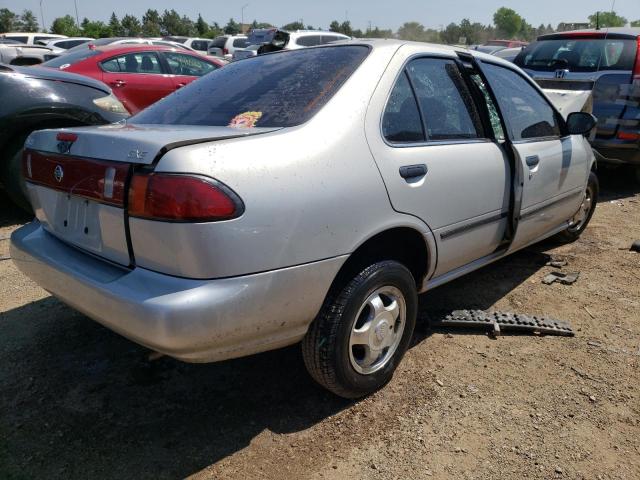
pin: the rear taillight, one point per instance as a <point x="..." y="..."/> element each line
<point x="225" y="51"/>
<point x="181" y="198"/>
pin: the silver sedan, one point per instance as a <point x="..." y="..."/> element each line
<point x="308" y="195"/>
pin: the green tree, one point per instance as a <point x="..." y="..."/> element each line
<point x="151" y="23"/>
<point x="131" y="26"/>
<point x="635" y="23"/>
<point x="357" y="33"/>
<point x="335" y="26"/>
<point x="29" y="22"/>
<point x="298" y="25"/>
<point x="65" y="26"/>
<point x="201" y="26"/>
<point x="95" y="29"/>
<point x="8" y="20"/>
<point x="378" y="33"/>
<point x="411" y="31"/>
<point x="607" y="19"/>
<point x="171" y="23"/>
<point x="116" y="26"/>
<point x="452" y="33"/>
<point x="507" y="22"/>
<point x="232" y="27"/>
<point x="346" y="28"/>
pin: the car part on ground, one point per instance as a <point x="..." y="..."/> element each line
<point x="565" y="278"/>
<point x="505" y="321"/>
<point x="601" y="70"/>
<point x="311" y="203"/>
<point x="33" y="98"/>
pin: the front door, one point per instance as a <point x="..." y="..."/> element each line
<point x="438" y="159"/>
<point x="552" y="168"/>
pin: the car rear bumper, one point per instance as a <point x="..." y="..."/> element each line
<point x="617" y="152"/>
<point x="192" y="320"/>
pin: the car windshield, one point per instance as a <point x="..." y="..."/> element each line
<point x="71" y="57"/>
<point x="275" y="90"/>
<point x="579" y="54"/>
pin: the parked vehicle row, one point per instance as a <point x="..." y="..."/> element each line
<point x="310" y="203"/>
<point x="270" y="40"/>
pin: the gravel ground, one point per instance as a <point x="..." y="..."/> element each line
<point x="78" y="401"/>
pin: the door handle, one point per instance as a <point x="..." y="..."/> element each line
<point x="118" y="83"/>
<point x="412" y="171"/>
<point x="532" y="161"/>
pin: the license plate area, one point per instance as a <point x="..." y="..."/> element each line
<point x="90" y="225"/>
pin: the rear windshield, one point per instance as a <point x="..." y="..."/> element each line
<point x="258" y="37"/>
<point x="276" y="90"/>
<point x="579" y="54"/>
<point x="71" y="57"/>
<point x="219" y="42"/>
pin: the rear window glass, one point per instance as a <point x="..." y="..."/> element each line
<point x="258" y="37"/>
<point x="579" y="55"/>
<point x="219" y="42"/>
<point x="240" y="43"/>
<point x="71" y="57"/>
<point x="277" y="90"/>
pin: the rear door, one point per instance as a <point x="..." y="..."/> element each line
<point x="552" y="166"/>
<point x="138" y="79"/>
<point x="186" y="68"/>
<point x="439" y="161"/>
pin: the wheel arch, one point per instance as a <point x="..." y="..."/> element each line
<point x="408" y="245"/>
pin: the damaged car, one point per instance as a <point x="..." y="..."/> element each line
<point x="303" y="196"/>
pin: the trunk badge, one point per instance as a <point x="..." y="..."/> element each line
<point x="58" y="173"/>
<point x="561" y="73"/>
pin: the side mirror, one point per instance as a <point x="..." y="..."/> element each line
<point x="581" y="123"/>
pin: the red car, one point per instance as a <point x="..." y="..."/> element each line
<point x="138" y="74"/>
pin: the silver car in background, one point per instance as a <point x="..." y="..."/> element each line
<point x="306" y="195"/>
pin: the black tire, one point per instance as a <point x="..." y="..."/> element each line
<point x="326" y="350"/>
<point x="11" y="174"/>
<point x="572" y="233"/>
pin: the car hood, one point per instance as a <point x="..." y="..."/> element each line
<point x="46" y="73"/>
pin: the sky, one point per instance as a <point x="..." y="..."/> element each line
<point x="384" y="14"/>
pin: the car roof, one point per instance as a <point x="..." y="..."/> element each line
<point x="303" y="33"/>
<point x="133" y="47"/>
<point x="628" y="31"/>
<point x="427" y="48"/>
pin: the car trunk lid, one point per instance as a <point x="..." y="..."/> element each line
<point x="78" y="178"/>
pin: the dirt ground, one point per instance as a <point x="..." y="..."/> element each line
<point x="78" y="401"/>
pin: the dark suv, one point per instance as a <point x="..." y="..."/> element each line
<point x="606" y="62"/>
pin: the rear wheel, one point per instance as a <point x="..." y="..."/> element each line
<point x="363" y="330"/>
<point x="11" y="174"/>
<point x="580" y="220"/>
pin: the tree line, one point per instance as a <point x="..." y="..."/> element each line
<point x="507" y="24"/>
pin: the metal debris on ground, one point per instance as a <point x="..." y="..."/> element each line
<point x="4" y="257"/>
<point x="498" y="321"/>
<point x="566" y="278"/>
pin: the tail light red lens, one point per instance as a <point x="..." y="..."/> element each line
<point x="181" y="198"/>
<point x="225" y="51"/>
